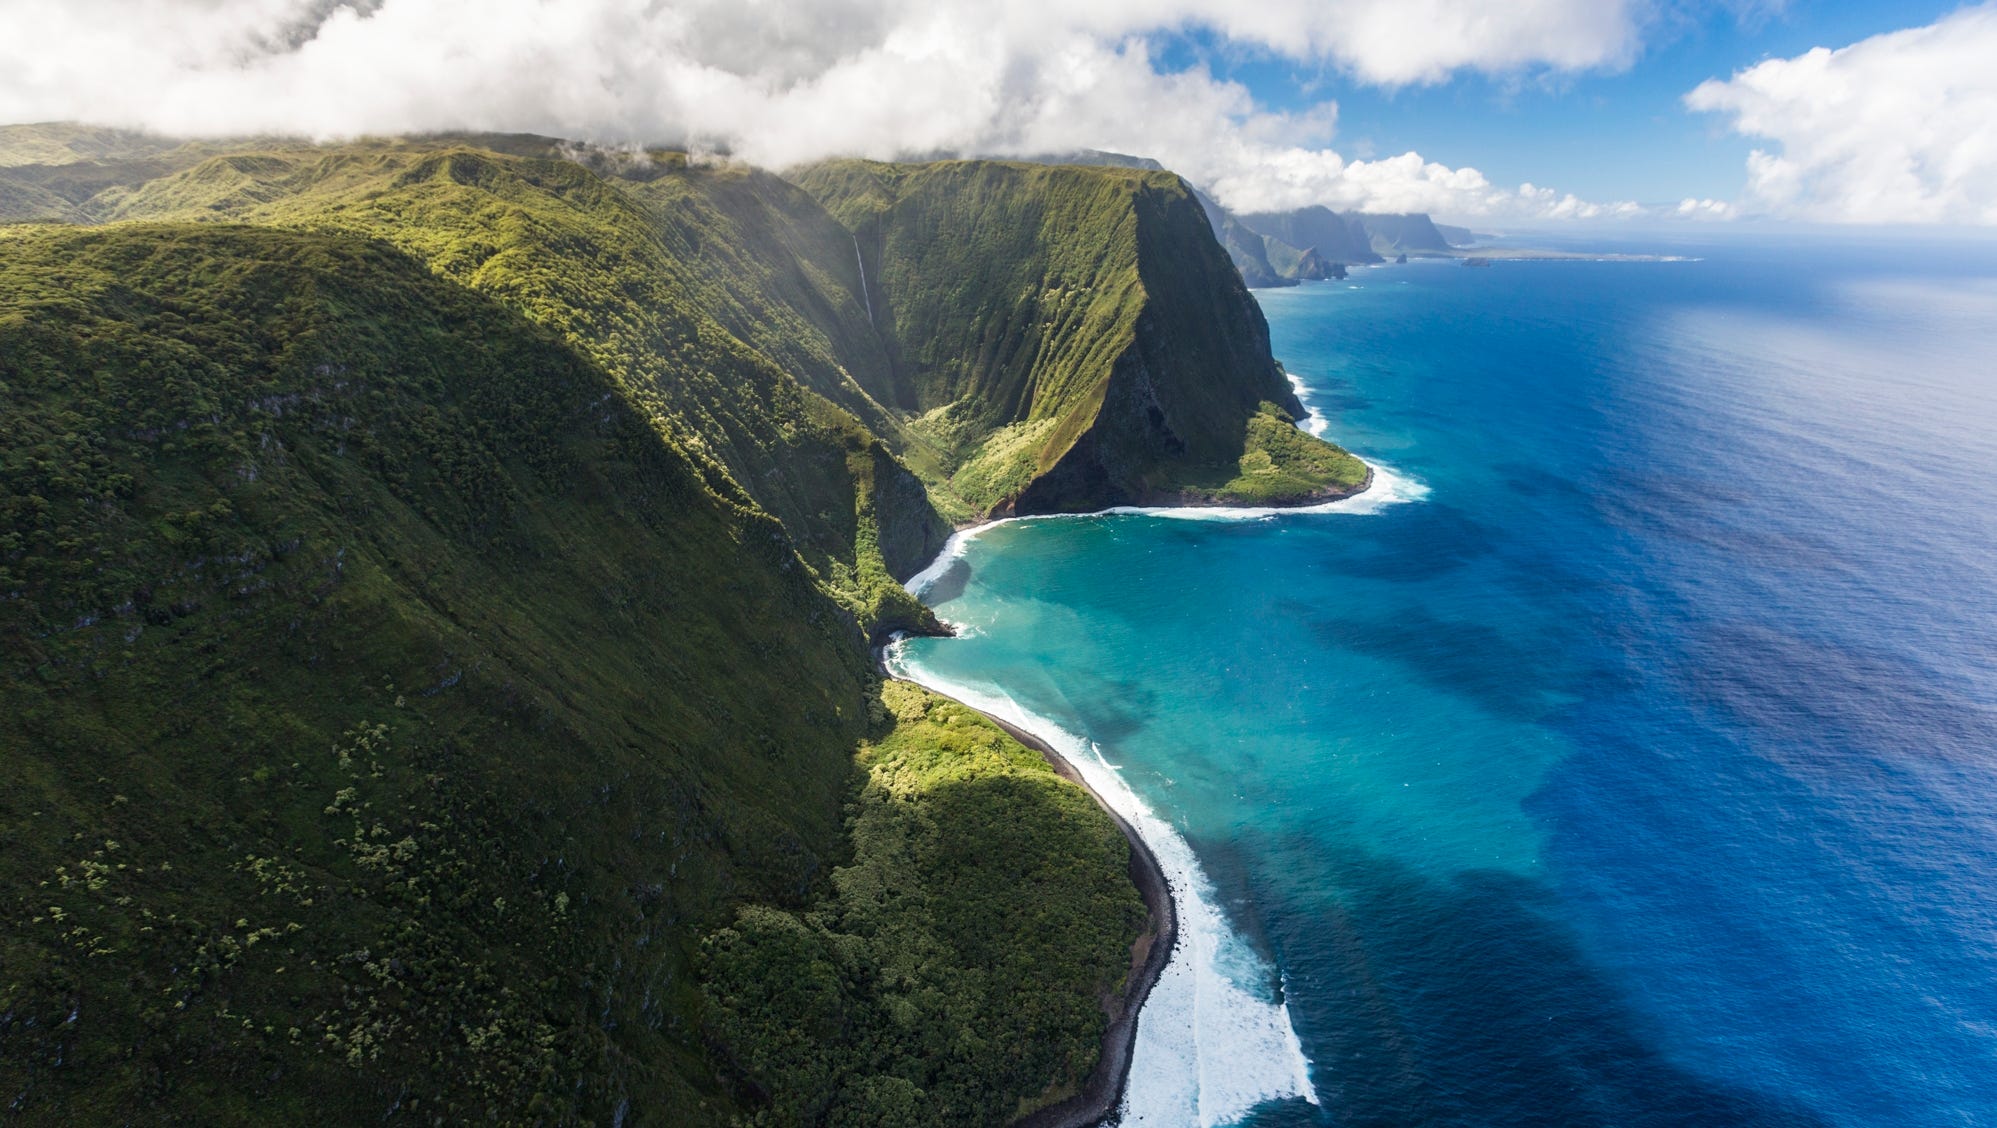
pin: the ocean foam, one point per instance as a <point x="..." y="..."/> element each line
<point x="1388" y="487"/>
<point x="1211" y="1041"/>
<point x="1314" y="421"/>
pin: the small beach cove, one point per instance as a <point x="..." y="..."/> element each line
<point x="1164" y="885"/>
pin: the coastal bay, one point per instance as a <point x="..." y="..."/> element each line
<point x="1480" y="784"/>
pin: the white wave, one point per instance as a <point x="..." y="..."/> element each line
<point x="1388" y="487"/>
<point x="955" y="547"/>
<point x="1314" y="421"/>
<point x="1211" y="1042"/>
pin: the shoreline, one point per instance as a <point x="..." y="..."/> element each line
<point x="1102" y="1090"/>
<point x="1166" y="503"/>
<point x="1380" y="480"/>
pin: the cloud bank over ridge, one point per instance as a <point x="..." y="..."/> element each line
<point x="781" y="82"/>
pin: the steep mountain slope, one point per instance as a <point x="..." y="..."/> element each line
<point x="1456" y="236"/>
<point x="1249" y="250"/>
<point x="773" y="267"/>
<point x="58" y="143"/>
<point x="373" y="725"/>
<point x="1412" y="234"/>
<point x="1250" y="254"/>
<point x="905" y="940"/>
<point x="1293" y="265"/>
<point x="51" y="171"/>
<point x="1334" y="236"/>
<point x="391" y="705"/>
<point x="1074" y="337"/>
<point x="573" y="251"/>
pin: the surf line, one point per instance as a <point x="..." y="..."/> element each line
<point x="1214" y="1049"/>
<point x="1388" y="487"/>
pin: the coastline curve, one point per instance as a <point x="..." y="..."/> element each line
<point x="1384" y="486"/>
<point x="1168" y="886"/>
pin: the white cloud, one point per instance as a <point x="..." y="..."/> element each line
<point x="1695" y="208"/>
<point x="779" y="82"/>
<point x="1893" y="129"/>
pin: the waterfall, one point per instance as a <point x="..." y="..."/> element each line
<point x="864" y="296"/>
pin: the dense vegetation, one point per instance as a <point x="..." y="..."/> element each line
<point x="435" y="585"/>
<point x="570" y="250"/>
<point x="1073" y="337"/>
<point x="384" y="699"/>
<point x="1280" y="464"/>
<point x="894" y="1000"/>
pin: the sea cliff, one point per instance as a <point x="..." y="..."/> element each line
<point x="438" y="575"/>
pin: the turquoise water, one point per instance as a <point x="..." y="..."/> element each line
<point x="1628" y="758"/>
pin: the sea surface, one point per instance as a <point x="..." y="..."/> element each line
<point x="1627" y="757"/>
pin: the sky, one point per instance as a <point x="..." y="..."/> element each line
<point x="1823" y="111"/>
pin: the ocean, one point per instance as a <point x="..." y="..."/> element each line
<point x="1628" y="756"/>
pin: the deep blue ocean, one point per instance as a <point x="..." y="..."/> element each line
<point x="1630" y="758"/>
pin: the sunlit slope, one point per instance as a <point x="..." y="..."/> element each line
<point x="386" y="701"/>
<point x="582" y="253"/>
<point x="777" y="270"/>
<point x="54" y="170"/>
<point x="1074" y="337"/>
<point x="957" y="971"/>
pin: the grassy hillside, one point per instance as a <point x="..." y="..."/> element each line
<point x="385" y="700"/>
<point x="1073" y="337"/>
<point x="957" y="829"/>
<point x="578" y="253"/>
<point x="54" y="170"/>
<point x="54" y="143"/>
<point x="390" y="708"/>
<point x="781" y="274"/>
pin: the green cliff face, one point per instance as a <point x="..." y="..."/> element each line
<point x="435" y="584"/>
<point x="611" y="270"/>
<point x="384" y="698"/>
<point x="391" y="705"/>
<point x="1073" y="338"/>
<point x="1300" y="266"/>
